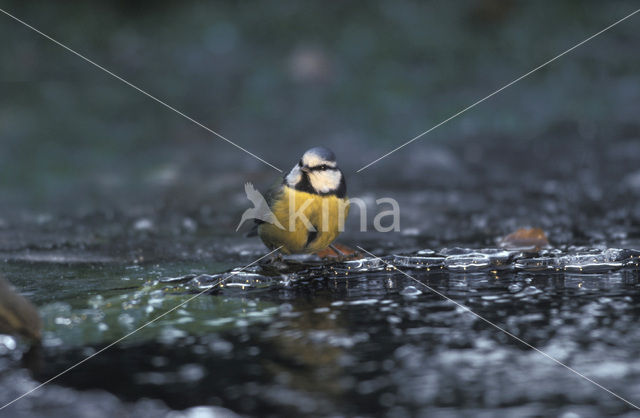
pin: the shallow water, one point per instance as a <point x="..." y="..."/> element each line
<point x="114" y="210"/>
<point x="350" y="338"/>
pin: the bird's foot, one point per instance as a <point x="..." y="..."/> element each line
<point x="274" y="258"/>
<point x="276" y="262"/>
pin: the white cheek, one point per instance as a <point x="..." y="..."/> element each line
<point x="294" y="176"/>
<point x="326" y="181"/>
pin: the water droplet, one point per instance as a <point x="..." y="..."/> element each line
<point x="417" y="262"/>
<point x="515" y="288"/>
<point x="410" y="291"/>
<point x="467" y="262"/>
<point x="7" y="343"/>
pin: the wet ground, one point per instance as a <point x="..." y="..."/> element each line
<point x="351" y="338"/>
<point x="115" y="211"/>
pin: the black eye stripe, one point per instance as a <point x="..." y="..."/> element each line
<point x="322" y="167"/>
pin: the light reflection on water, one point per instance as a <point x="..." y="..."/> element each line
<point x="355" y="336"/>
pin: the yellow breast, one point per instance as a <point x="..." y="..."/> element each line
<point x="298" y="212"/>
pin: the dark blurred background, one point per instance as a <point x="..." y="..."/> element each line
<point x="110" y="204"/>
<point x="88" y="163"/>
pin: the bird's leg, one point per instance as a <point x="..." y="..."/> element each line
<point x="275" y="258"/>
<point x="337" y="250"/>
<point x="276" y="263"/>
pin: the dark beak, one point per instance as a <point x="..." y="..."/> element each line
<point x="305" y="169"/>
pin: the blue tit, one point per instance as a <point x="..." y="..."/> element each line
<point x="310" y="205"/>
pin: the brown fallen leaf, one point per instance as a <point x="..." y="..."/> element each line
<point x="525" y="238"/>
<point x="17" y="315"/>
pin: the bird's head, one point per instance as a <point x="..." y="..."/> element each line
<point x="317" y="172"/>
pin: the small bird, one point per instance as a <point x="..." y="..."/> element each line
<point x="310" y="204"/>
